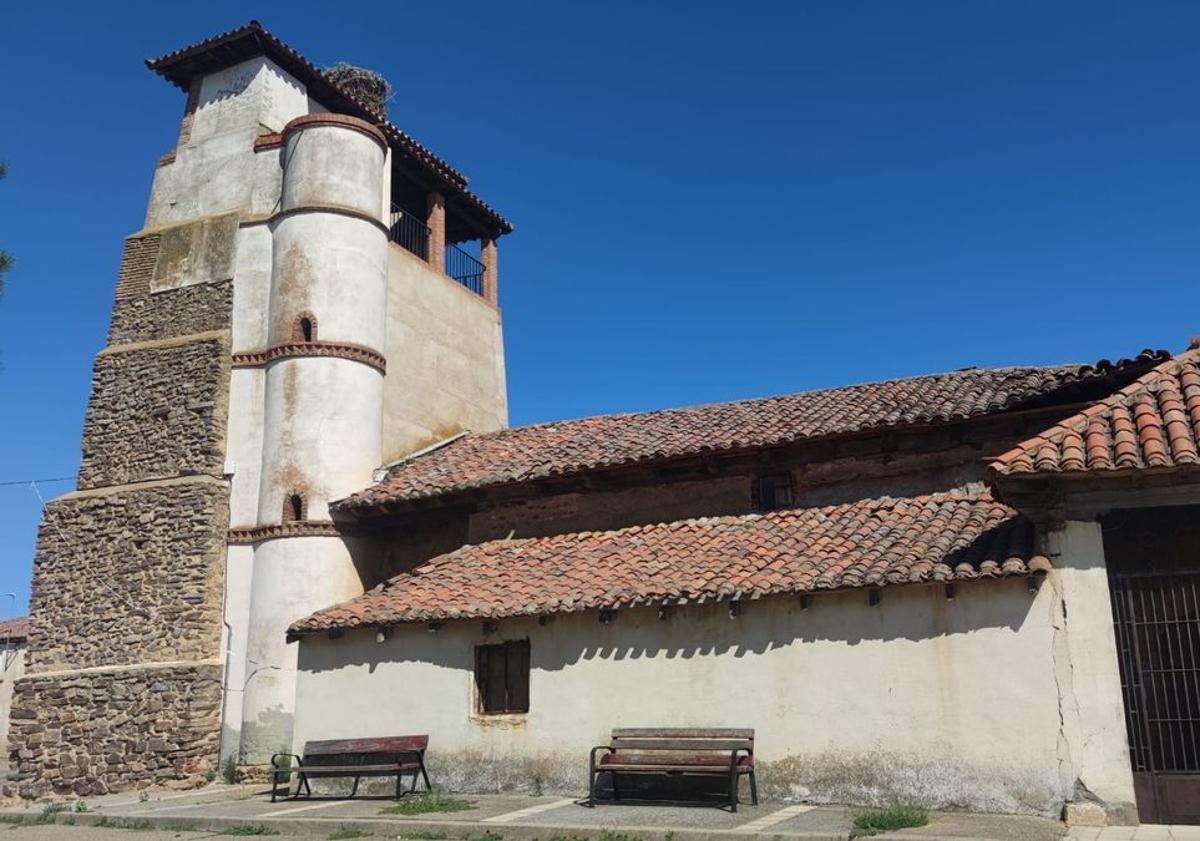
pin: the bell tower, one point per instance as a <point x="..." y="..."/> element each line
<point x="312" y="295"/>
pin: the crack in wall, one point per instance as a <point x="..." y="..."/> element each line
<point x="1060" y="655"/>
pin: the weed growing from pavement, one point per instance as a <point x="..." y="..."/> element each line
<point x="486" y="836"/>
<point x="124" y="823"/>
<point x="80" y="806"/>
<point x="249" y="829"/>
<point x="885" y="819"/>
<point x="422" y="835"/>
<point x="49" y="814"/>
<point x="432" y="801"/>
<point x="339" y="834"/>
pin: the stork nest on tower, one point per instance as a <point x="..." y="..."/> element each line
<point x="366" y="86"/>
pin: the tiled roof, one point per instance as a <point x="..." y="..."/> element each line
<point x="251" y="39"/>
<point x="576" y="446"/>
<point x="14" y="630"/>
<point x="1153" y="422"/>
<point x="958" y="535"/>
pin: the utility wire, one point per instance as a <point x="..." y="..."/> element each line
<point x="34" y="481"/>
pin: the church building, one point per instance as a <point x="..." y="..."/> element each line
<point x="301" y="515"/>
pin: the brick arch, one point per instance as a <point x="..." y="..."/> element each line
<point x="295" y="508"/>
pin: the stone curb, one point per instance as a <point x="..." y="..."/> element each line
<point x="452" y="829"/>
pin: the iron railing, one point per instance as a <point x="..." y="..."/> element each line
<point x="464" y="268"/>
<point x="412" y="234"/>
<point x="409" y="232"/>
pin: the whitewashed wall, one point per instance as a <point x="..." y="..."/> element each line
<point x="955" y="703"/>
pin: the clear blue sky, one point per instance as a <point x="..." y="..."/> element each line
<point x="713" y="200"/>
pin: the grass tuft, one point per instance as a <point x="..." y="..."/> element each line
<point x="423" y="804"/>
<point x="343" y="833"/>
<point x="249" y="829"/>
<point x="138" y="824"/>
<point x="422" y="835"/>
<point x="887" y="818"/>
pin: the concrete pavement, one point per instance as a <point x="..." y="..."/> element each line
<point x="511" y="817"/>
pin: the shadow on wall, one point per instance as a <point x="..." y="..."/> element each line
<point x="914" y="613"/>
<point x="268" y="734"/>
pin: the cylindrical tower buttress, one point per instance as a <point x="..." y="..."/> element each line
<point x="323" y="394"/>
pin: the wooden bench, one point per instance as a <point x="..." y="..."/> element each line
<point x="397" y="756"/>
<point x="725" y="752"/>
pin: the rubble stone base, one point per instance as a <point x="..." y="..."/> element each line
<point x="89" y="733"/>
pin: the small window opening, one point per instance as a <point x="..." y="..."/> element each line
<point x="306" y="328"/>
<point x="502" y="677"/>
<point x="773" y="492"/>
<point x="293" y="509"/>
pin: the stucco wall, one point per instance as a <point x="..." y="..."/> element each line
<point x="445" y="358"/>
<point x="954" y="703"/>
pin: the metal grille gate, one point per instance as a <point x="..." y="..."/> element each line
<point x="1154" y="578"/>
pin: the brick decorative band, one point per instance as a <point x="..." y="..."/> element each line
<point x="272" y="140"/>
<point x="339" y="120"/>
<point x="294" y="350"/>
<point x="247" y="535"/>
<point x="341" y="211"/>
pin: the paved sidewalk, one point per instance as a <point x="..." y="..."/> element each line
<point x="1145" y="832"/>
<point x="217" y="809"/>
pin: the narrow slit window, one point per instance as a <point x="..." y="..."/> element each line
<point x="502" y="677"/>
<point x="293" y="509"/>
<point x="306" y="328"/>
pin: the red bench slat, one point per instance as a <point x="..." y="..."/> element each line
<point x="384" y="744"/>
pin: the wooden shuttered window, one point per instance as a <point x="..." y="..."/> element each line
<point x="502" y="677"/>
<point x="770" y="493"/>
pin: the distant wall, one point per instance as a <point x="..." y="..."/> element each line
<point x="12" y="666"/>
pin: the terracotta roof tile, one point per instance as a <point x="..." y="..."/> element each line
<point x="575" y="446"/>
<point x="958" y="535"/>
<point x="1153" y="422"/>
<point x="14" y="630"/>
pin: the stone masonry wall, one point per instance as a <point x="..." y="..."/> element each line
<point x="89" y="733"/>
<point x="130" y="576"/>
<point x="124" y="681"/>
<point x="172" y="313"/>
<point x="156" y="411"/>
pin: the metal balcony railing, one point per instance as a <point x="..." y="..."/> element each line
<point x="412" y="234"/>
<point x="409" y="232"/>
<point x="464" y="268"/>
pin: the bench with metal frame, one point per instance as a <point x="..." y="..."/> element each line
<point x="398" y="756"/>
<point x="727" y="752"/>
